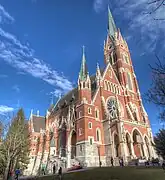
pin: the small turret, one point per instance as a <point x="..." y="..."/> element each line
<point x="98" y="75"/>
<point x="84" y="82"/>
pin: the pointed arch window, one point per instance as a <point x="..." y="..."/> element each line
<point x="135" y="113"/>
<point x="115" y="57"/>
<point x="97" y="113"/>
<point x="135" y="116"/>
<point x="90" y="125"/>
<point x="106" y="85"/>
<point x="98" y="135"/>
<point x="83" y="84"/>
<point x="89" y="111"/>
<point x="80" y="114"/>
<point x="129" y="81"/>
<point x="111" y="87"/>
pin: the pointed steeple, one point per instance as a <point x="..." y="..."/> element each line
<point x="31" y="113"/>
<point x="38" y="113"/>
<point x="83" y="70"/>
<point x="111" y="24"/>
<point x="98" y="73"/>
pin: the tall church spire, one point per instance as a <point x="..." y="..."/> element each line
<point x="111" y="24"/>
<point x="83" y="70"/>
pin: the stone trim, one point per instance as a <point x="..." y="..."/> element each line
<point x="82" y="142"/>
<point x="86" y="117"/>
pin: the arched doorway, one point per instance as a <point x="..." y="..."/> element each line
<point x="116" y="146"/>
<point x="73" y="144"/>
<point x="138" y="144"/>
<point x="147" y="146"/>
<point x="128" y="141"/>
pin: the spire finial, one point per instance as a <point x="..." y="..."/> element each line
<point x="83" y="71"/>
<point x="38" y="113"/>
<point x="83" y="48"/>
<point x="111" y="24"/>
<point x="97" y="65"/>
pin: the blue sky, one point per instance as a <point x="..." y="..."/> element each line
<point x="41" y="43"/>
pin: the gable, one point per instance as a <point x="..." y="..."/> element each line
<point x="110" y="75"/>
<point x="110" y="79"/>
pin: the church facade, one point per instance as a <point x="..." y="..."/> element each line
<point x="102" y="117"/>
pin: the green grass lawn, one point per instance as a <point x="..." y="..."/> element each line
<point x="116" y="173"/>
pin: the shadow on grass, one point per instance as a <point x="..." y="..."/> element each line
<point x="116" y="173"/>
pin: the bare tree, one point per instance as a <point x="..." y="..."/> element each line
<point x="156" y="94"/>
<point x="160" y="143"/>
<point x="155" y="6"/>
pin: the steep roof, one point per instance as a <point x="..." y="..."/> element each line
<point x="38" y="123"/>
<point x="72" y="96"/>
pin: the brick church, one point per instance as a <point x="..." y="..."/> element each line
<point x="102" y="117"/>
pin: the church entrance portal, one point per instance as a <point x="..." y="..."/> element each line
<point x="138" y="144"/>
<point x="73" y="145"/>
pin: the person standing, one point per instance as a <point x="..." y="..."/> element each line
<point x="122" y="162"/>
<point x="17" y="173"/>
<point x="54" y="169"/>
<point x="163" y="165"/>
<point x="112" y="161"/>
<point x="60" y="173"/>
<point x="43" y="169"/>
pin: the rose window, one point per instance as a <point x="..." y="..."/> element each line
<point x="112" y="108"/>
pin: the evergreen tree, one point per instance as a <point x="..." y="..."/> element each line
<point x="15" y="146"/>
<point x="160" y="143"/>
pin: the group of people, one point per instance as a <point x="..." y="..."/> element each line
<point x="121" y="162"/>
<point x="59" y="171"/>
<point x="54" y="171"/>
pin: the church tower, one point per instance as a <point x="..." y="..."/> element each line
<point x="132" y="115"/>
<point x="116" y="53"/>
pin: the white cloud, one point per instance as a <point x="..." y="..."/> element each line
<point x="149" y="30"/>
<point x="142" y="26"/>
<point x="55" y="93"/>
<point x="5" y="16"/>
<point x="22" y="57"/>
<point x="5" y="109"/>
<point x="16" y="88"/>
<point x="99" y="5"/>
